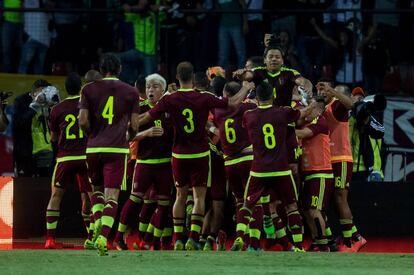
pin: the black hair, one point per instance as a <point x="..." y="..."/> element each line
<point x="232" y="88"/>
<point x="73" y="84"/>
<point x="264" y="91"/>
<point x="110" y="64"/>
<point x="217" y="85"/>
<point x="257" y="61"/>
<point x="273" y="47"/>
<point x="40" y="83"/>
<point x="140" y="83"/>
<point x="328" y="80"/>
<point x="200" y="80"/>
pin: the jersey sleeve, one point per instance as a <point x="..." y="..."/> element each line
<point x="320" y="127"/>
<point x="291" y="115"/>
<point x="339" y="111"/>
<point x="259" y="74"/>
<point x="135" y="106"/>
<point x="83" y="101"/>
<point x="160" y="108"/>
<point x="213" y="101"/>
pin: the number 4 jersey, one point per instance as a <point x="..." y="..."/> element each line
<point x="63" y="121"/>
<point x="266" y="127"/>
<point x="110" y="103"/>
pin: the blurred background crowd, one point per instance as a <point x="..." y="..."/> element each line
<point x="356" y="42"/>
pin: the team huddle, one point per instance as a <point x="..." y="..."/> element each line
<point x="283" y="153"/>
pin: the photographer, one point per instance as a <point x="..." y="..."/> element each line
<point x="32" y="151"/>
<point x="366" y="135"/>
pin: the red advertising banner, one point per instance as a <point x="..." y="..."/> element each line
<point x="6" y="212"/>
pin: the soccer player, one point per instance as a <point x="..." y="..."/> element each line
<point x="266" y="127"/>
<point x="189" y="111"/>
<point x="153" y="166"/>
<point x="70" y="162"/>
<point x="337" y="114"/>
<point x="238" y="153"/>
<point x="317" y="174"/>
<point x="107" y="107"/>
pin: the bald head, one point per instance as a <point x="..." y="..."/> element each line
<point x="92" y="75"/>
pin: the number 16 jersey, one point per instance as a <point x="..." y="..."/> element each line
<point x="110" y="103"/>
<point x="266" y="126"/>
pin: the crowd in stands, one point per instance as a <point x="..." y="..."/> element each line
<point x="352" y="47"/>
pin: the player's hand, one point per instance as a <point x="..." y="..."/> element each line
<point x="239" y="73"/>
<point x="172" y="88"/>
<point x="249" y="85"/>
<point x="155" y="131"/>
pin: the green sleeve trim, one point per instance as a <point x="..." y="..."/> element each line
<point x="154" y="161"/>
<point x="107" y="150"/>
<point x="69" y="158"/>
<point x="270" y="174"/>
<point x="320" y="175"/>
<point x="238" y="160"/>
<point x="191" y="156"/>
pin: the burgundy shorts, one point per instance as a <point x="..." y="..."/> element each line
<point x="237" y="176"/>
<point x="153" y="179"/>
<point x="66" y="172"/>
<point x="316" y="192"/>
<point x="107" y="169"/>
<point x="279" y="187"/>
<point x="342" y="174"/>
<point x="218" y="188"/>
<point x="191" y="172"/>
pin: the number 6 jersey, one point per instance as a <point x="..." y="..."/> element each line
<point x="110" y="103"/>
<point x="266" y="127"/>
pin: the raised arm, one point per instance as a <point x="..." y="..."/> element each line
<point x="238" y="98"/>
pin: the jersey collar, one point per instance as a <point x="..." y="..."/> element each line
<point x="110" y="78"/>
<point x="185" y="90"/>
<point x="266" y="106"/>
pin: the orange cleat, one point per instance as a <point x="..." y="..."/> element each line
<point x="358" y="245"/>
<point x="50" y="243"/>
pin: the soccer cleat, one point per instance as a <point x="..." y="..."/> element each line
<point x="345" y="249"/>
<point x="208" y="246"/>
<point x="50" y="243"/>
<point x="300" y="250"/>
<point x="178" y="245"/>
<point x="358" y="245"/>
<point x="221" y="241"/>
<point x="136" y="244"/>
<point x="252" y="249"/>
<point x="101" y="245"/>
<point x="333" y="246"/>
<point x="238" y="244"/>
<point x="88" y="245"/>
<point x="317" y="248"/>
<point x="145" y="245"/>
<point x="191" y="245"/>
<point x="121" y="245"/>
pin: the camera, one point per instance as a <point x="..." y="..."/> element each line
<point x="371" y="104"/>
<point x="4" y="96"/>
<point x="49" y="95"/>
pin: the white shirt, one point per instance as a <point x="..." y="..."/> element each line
<point x="36" y="23"/>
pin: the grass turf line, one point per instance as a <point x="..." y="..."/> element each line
<point x="59" y="262"/>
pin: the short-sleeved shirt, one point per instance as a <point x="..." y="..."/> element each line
<point x="282" y="83"/>
<point x="233" y="136"/>
<point x="110" y="103"/>
<point x="189" y="110"/>
<point x="266" y="127"/>
<point x="154" y="150"/>
<point x="63" y="121"/>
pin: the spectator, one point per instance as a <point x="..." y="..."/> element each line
<point x="254" y="44"/>
<point x="12" y="35"/>
<point x="31" y="138"/>
<point x="232" y="29"/>
<point x="36" y="26"/>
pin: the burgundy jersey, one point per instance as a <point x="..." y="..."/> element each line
<point x="155" y="148"/>
<point x="282" y="82"/>
<point x="233" y="136"/>
<point x="266" y="127"/>
<point x="189" y="111"/>
<point x="63" y="121"/>
<point x="110" y="103"/>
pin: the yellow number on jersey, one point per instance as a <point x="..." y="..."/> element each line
<point x="269" y="136"/>
<point x="230" y="132"/>
<point x="72" y="120"/>
<point x="189" y="128"/>
<point x="108" y="111"/>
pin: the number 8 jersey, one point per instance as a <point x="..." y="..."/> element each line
<point x="110" y="103"/>
<point x="266" y="126"/>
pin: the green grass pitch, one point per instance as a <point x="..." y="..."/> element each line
<point x="59" y="262"/>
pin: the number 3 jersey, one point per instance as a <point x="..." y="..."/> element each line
<point x="63" y="121"/>
<point x="266" y="127"/>
<point x="189" y="111"/>
<point x="110" y="103"/>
